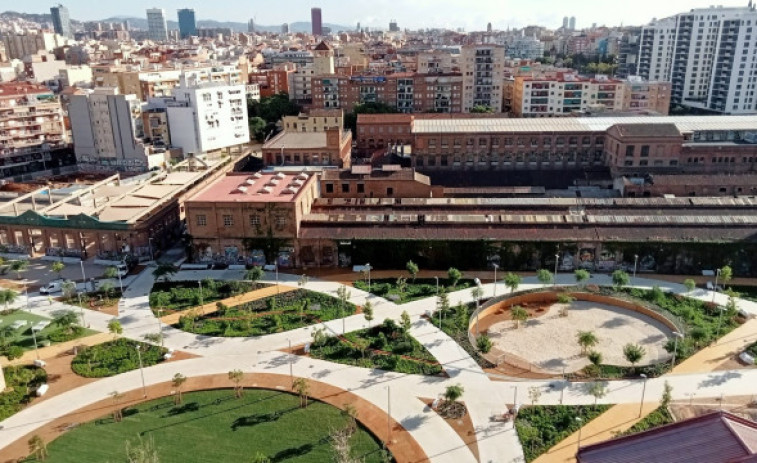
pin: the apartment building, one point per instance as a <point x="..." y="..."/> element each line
<point x="21" y="45"/>
<point x="317" y="120"/>
<point x="31" y="125"/>
<point x="108" y="132"/>
<point x="710" y="55"/>
<point x="437" y="62"/>
<point x="159" y="83"/>
<point x="483" y="73"/>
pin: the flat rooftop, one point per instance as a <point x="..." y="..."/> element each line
<point x="300" y="140"/>
<point x="270" y="187"/>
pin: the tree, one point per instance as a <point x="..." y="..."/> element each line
<point x="164" y="271"/>
<point x="368" y="312"/>
<point x="633" y="353"/>
<point x="272" y="108"/>
<point x="667" y="395"/>
<point x="405" y="321"/>
<point x="69" y="289"/>
<point x="512" y="281"/>
<point x="453" y="393"/>
<point x="581" y="276"/>
<point x="350" y="119"/>
<point x="565" y="300"/>
<point x="257" y="128"/>
<point x="412" y="269"/>
<point x="6" y="332"/>
<point x="37" y="447"/>
<point x="476" y="293"/>
<point x="454" y="275"/>
<point x="19" y="266"/>
<point x="7" y="297"/>
<point x="544" y="276"/>
<point x="620" y="279"/>
<point x="586" y="339"/>
<point x="111" y="272"/>
<point x="690" y="284"/>
<point x="482" y="109"/>
<point x="117" y="412"/>
<point x="362" y="345"/>
<point x="597" y="389"/>
<point x="65" y="320"/>
<point x="484" y="343"/>
<point x="401" y="287"/>
<point x="519" y="314"/>
<point x="595" y="358"/>
<point x="236" y="377"/>
<point x="142" y="451"/>
<point x="302" y="387"/>
<point x="177" y="382"/>
<point x="534" y="393"/>
<point x="254" y="274"/>
<point x="108" y="287"/>
<point x="726" y="274"/>
<point x="58" y="267"/>
<point x="115" y="328"/>
<point x="344" y="295"/>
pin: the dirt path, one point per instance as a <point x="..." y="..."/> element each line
<point x="404" y="448"/>
<point x="212" y="307"/>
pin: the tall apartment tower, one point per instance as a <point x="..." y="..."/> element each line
<point x="251" y="26"/>
<point x="483" y="68"/>
<point x="317" y="21"/>
<point x="572" y="24"/>
<point x="285" y="28"/>
<point x="565" y="23"/>
<point x="157" y="30"/>
<point x="710" y="55"/>
<point x="61" y="21"/>
<point x="187" y="24"/>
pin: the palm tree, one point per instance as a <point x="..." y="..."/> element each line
<point x="586" y="339"/>
<point x="7" y="297"/>
<point x="164" y="271"/>
<point x="37" y="447"/>
<point x="412" y="269"/>
<point x="633" y="353"/>
<point x="178" y="381"/>
<point x="58" y="267"/>
<point x="254" y="274"/>
<point x="19" y="266"/>
<point x="6" y="332"/>
<point x="236" y="376"/>
<point x="114" y="326"/>
<point x="519" y="314"/>
<point x="117" y="412"/>
<point x="111" y="272"/>
<point x="453" y="393"/>
<point x="512" y="281"/>
<point x="544" y="276"/>
<point x="302" y="387"/>
<point x="66" y="320"/>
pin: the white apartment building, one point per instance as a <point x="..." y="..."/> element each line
<point x="108" y="131"/>
<point x="157" y="30"/>
<point x="205" y="117"/>
<point x="710" y="56"/>
<point x="483" y="76"/>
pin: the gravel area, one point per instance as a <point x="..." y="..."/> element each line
<point x="549" y="342"/>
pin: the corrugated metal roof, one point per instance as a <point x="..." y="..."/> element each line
<point x="580" y="124"/>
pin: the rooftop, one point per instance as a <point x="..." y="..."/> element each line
<point x="268" y="187"/>
<point x="301" y="140"/>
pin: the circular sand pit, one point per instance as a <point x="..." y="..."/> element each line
<point x="550" y="344"/>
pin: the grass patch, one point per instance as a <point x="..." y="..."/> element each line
<point x="175" y="296"/>
<point x="214" y="426"/>
<point x="386" y="347"/>
<point x="420" y="289"/>
<point x="20" y="381"/>
<point x="659" y="417"/>
<point x="540" y="428"/>
<point x="115" y="357"/>
<point x="274" y="314"/>
<point x="22" y="337"/>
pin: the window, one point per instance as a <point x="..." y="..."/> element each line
<point x="345" y="187"/>
<point x="361" y="188"/>
<point x="329" y="188"/>
<point x="281" y="220"/>
<point x="630" y="150"/>
<point x="390" y="191"/>
<point x="202" y="220"/>
<point x="645" y="151"/>
<point x="228" y="220"/>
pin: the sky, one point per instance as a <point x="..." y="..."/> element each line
<point x="468" y="14"/>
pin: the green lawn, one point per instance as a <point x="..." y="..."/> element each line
<point x="175" y="296"/>
<point x="22" y="337"/>
<point x="386" y="347"/>
<point x="274" y="314"/>
<point x="20" y="382"/>
<point x="213" y="426"/>
<point x="540" y="428"/>
<point x="420" y="289"/>
<point x="115" y="357"/>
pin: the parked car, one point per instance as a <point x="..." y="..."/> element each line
<point x="54" y="286"/>
<point x="746" y="358"/>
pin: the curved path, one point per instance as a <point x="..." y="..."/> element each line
<point x="497" y="442"/>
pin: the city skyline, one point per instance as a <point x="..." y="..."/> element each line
<point x="448" y="13"/>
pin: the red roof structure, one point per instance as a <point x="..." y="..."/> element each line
<point x="717" y="437"/>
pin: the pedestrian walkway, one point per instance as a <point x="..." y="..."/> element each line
<point x="56" y="350"/>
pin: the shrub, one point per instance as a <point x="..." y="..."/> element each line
<point x="484" y="344"/>
<point x="115" y="357"/>
<point x="14" y="352"/>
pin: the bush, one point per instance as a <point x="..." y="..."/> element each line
<point x="115" y="357"/>
<point x="20" y="381"/>
<point x="484" y="344"/>
<point x="61" y="335"/>
<point x="13" y="352"/>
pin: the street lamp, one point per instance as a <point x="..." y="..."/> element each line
<point x="152" y="255"/>
<point x="676" y="335"/>
<point x="199" y="283"/>
<point x="291" y="368"/>
<point x="437" y="285"/>
<point x="635" y="262"/>
<point x="643" y="392"/>
<point x="368" y="267"/>
<point x="83" y="276"/>
<point x="141" y="370"/>
<point x="494" y="290"/>
<point x="515" y="396"/>
<point x="715" y="289"/>
<point x="720" y="321"/>
<point x="81" y="308"/>
<point x="554" y="278"/>
<point x="120" y="283"/>
<point x="579" y="420"/>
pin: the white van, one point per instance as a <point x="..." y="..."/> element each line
<point x="54" y="286"/>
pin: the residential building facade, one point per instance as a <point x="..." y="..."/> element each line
<point x="482" y="67"/>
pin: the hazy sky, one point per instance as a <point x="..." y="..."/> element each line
<point x="470" y="14"/>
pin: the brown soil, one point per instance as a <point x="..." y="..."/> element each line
<point x="404" y="448"/>
<point x="503" y="313"/>
<point x="16" y="285"/>
<point x="462" y="426"/>
<point x="514" y="371"/>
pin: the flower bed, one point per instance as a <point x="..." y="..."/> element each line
<point x="420" y="289"/>
<point x="175" y="296"/>
<point x="20" y="382"/>
<point x="115" y="357"/>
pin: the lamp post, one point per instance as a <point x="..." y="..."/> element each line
<point x="34" y="336"/>
<point x="720" y="321"/>
<point x="120" y="283"/>
<point x="643" y="392"/>
<point x="494" y="290"/>
<point x="160" y="326"/>
<point x="83" y="276"/>
<point x="579" y="420"/>
<point x="554" y="278"/>
<point x="152" y="255"/>
<point x="635" y="263"/>
<point x="515" y="396"/>
<point x="715" y="289"/>
<point x="676" y="335"/>
<point x="368" y="267"/>
<point x="81" y="308"/>
<point x="437" y="285"/>
<point x="141" y="371"/>
<point x="291" y="367"/>
<point x="199" y="283"/>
